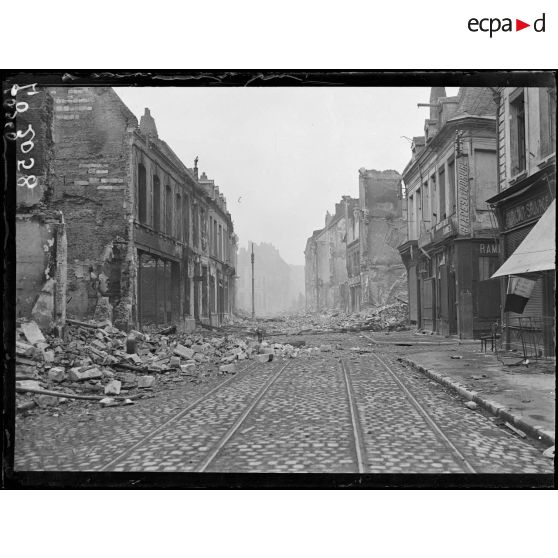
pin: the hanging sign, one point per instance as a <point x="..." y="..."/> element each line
<point x="518" y="294"/>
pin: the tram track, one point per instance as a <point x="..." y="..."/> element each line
<point x="462" y="461"/>
<point x="220" y="444"/>
<point x="170" y="421"/>
<point x="360" y="450"/>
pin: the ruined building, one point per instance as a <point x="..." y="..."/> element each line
<point x="451" y="252"/>
<point x="148" y="240"/>
<point x="382" y="277"/>
<point x="326" y="268"/>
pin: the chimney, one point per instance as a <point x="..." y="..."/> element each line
<point x="435" y="94"/>
<point x="147" y="125"/>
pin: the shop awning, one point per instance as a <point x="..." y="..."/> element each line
<point x="537" y="252"/>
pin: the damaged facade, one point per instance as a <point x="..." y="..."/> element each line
<point x="326" y="267"/>
<point x="382" y="277"/>
<point x="148" y="241"/>
<point x="451" y="249"/>
<point x="527" y="188"/>
<point x="41" y="241"/>
<point x="352" y="263"/>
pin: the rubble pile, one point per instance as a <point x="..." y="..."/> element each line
<point x="98" y="362"/>
<point x="392" y="317"/>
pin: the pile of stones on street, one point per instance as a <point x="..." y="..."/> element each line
<point x="392" y="317"/>
<point x="96" y="363"/>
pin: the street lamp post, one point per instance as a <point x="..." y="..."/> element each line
<point x="252" y="259"/>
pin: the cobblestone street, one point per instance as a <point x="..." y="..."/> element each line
<point x="340" y="411"/>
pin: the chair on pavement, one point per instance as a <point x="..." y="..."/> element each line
<point x="493" y="336"/>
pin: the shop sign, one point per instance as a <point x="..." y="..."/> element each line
<point x="463" y="209"/>
<point x="490" y="249"/>
<point x="526" y="211"/>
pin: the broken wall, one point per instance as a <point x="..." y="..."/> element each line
<point x="40" y="233"/>
<point x="383" y="275"/>
<point x="90" y="186"/>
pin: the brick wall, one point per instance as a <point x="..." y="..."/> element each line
<point x="90" y="181"/>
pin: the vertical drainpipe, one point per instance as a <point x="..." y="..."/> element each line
<point x="503" y="286"/>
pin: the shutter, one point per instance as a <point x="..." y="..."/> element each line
<point x="426" y="298"/>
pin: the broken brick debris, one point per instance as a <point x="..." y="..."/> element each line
<point x="91" y="359"/>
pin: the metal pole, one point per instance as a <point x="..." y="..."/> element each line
<point x="317" y="279"/>
<point x="252" y="259"/>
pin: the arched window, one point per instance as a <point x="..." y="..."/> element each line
<point x="142" y="194"/>
<point x="168" y="208"/>
<point x="156" y="203"/>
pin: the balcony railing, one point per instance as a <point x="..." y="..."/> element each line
<point x="442" y="230"/>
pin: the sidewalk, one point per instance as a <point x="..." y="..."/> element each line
<point x="523" y="396"/>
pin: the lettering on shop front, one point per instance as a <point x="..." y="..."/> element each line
<point x="463" y="219"/>
<point x="492" y="249"/>
<point x="526" y="211"/>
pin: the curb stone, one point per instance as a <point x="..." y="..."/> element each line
<point x="496" y="409"/>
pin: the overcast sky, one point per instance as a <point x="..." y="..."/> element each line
<point x="284" y="156"/>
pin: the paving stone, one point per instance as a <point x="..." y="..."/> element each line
<point x="303" y="419"/>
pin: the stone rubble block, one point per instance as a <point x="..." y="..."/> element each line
<point x="127" y="378"/>
<point x="266" y="357"/>
<point x="136" y="359"/>
<point x="146" y="381"/>
<point x="190" y="367"/>
<point x="227" y="369"/>
<point x="183" y="352"/>
<point x="32" y="333"/>
<point x="113" y="387"/>
<point x="28" y="384"/>
<point x="77" y="375"/>
<point x="57" y="374"/>
<point x="48" y="356"/>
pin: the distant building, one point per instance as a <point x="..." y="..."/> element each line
<point x="451" y="250"/>
<point x="527" y="189"/>
<point x="277" y="286"/>
<point x="326" y="263"/>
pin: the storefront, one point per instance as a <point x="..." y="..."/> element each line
<point x="455" y="294"/>
<point x="520" y="210"/>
